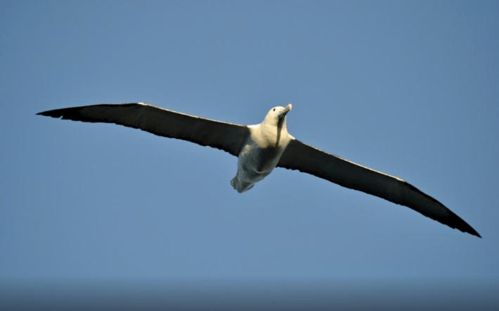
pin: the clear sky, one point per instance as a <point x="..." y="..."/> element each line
<point x="405" y="87"/>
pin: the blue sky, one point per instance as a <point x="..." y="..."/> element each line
<point x="405" y="87"/>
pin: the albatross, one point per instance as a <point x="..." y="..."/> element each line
<point x="262" y="147"/>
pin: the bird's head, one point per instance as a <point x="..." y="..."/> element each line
<point x="277" y="115"/>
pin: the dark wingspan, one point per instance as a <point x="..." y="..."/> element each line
<point x="162" y="122"/>
<point x="299" y="156"/>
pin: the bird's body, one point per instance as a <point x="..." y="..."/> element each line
<point x="263" y="150"/>
<point x="262" y="147"/>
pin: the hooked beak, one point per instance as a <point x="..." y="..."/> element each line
<point x="288" y="108"/>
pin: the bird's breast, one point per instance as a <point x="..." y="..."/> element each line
<point x="260" y="154"/>
<point x="257" y="160"/>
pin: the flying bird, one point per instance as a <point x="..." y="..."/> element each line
<point x="262" y="147"/>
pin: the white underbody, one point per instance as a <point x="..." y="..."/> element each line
<point x="260" y="155"/>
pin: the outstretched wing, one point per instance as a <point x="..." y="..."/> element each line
<point x="162" y="122"/>
<point x="299" y="156"/>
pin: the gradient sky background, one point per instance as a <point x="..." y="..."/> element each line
<point x="405" y="87"/>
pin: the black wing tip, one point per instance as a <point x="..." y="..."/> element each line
<point x="456" y="221"/>
<point x="63" y="113"/>
<point x="473" y="232"/>
<point x="463" y="226"/>
<point x="71" y="113"/>
<point x="58" y="113"/>
<point x="49" y="113"/>
<point x="468" y="229"/>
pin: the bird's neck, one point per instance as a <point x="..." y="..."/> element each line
<point x="273" y="135"/>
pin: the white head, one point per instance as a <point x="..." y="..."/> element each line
<point x="277" y="115"/>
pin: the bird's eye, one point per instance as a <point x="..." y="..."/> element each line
<point x="273" y="109"/>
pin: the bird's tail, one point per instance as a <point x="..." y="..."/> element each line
<point x="240" y="186"/>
